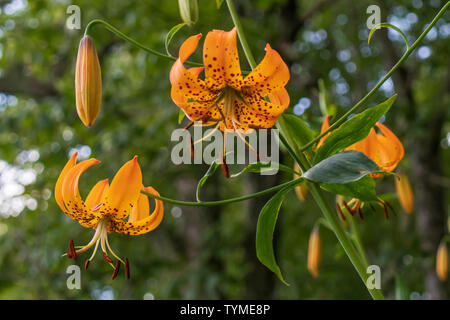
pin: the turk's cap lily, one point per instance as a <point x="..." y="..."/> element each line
<point x="108" y="205"/>
<point x="88" y="82"/>
<point x="383" y="148"/>
<point x="224" y="97"/>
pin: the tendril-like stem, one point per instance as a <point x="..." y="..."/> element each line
<point x="291" y="183"/>
<point x="134" y="42"/>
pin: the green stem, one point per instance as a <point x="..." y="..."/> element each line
<point x="290" y="183"/>
<point x="132" y="41"/>
<point x="357" y="240"/>
<point x="315" y="189"/>
<point x="380" y="83"/>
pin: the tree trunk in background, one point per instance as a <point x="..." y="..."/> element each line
<point x="429" y="200"/>
<point x="423" y="148"/>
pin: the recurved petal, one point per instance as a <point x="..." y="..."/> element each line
<point x="76" y="208"/>
<point x="96" y="195"/>
<point x="195" y="110"/>
<point x="390" y="147"/>
<point x="58" y="187"/>
<point x="280" y="97"/>
<point x="124" y="191"/>
<point x="188" y="47"/>
<point x="140" y="221"/>
<point x="270" y="75"/>
<point x="221" y="59"/>
<point x="188" y="84"/>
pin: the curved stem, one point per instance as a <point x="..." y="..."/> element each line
<point x="380" y="83"/>
<point x="304" y="164"/>
<point x="290" y="183"/>
<point x="134" y="42"/>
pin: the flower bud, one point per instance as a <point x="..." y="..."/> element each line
<point x="302" y="189"/>
<point x="314" y="252"/>
<point x="88" y="82"/>
<point x="188" y="11"/>
<point x="442" y="262"/>
<point x="404" y="192"/>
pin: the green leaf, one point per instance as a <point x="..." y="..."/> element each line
<point x="391" y="26"/>
<point x="212" y="168"/>
<point x="180" y="116"/>
<point x="170" y="35"/>
<point x="353" y="130"/>
<point x="295" y="130"/>
<point x="344" y="167"/>
<point x="363" y="189"/>
<point x="264" y="232"/>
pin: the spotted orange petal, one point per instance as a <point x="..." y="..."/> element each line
<point x="189" y="85"/>
<point x="58" y="187"/>
<point x="124" y="191"/>
<point x="76" y="208"/>
<point x="269" y="76"/>
<point x="96" y="195"/>
<point x="221" y="59"/>
<point x="141" y="221"/>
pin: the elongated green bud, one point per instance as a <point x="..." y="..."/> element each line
<point x="188" y="11"/>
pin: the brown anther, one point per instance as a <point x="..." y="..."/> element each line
<point x="69" y="255"/>
<point x="73" y="253"/>
<point x="348" y="208"/>
<point x="189" y="125"/>
<point x="107" y="258"/>
<point x="127" y="268"/>
<point x="86" y="264"/>
<point x="338" y="207"/>
<point x="360" y="213"/>
<point x="386" y="213"/>
<point x="116" y="270"/>
<point x="192" y="148"/>
<point x="390" y="207"/>
<point x="225" y="170"/>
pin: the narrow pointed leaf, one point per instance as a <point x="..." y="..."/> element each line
<point x="264" y="232"/>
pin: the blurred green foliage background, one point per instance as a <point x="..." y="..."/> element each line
<point x="209" y="253"/>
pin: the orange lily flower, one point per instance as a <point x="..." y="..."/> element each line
<point x="107" y="206"/>
<point x="224" y="97"/>
<point x="384" y="148"/>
